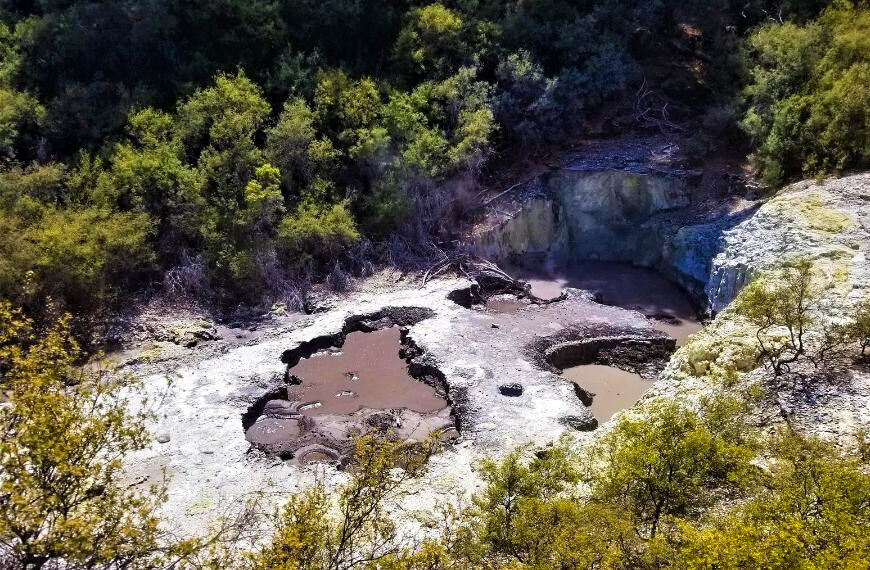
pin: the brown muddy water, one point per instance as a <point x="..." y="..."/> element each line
<point x="367" y="373"/>
<point x="614" y="389"/>
<point x="506" y="304"/>
<point x="621" y="285"/>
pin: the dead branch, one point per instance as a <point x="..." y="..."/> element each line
<point x="649" y="114"/>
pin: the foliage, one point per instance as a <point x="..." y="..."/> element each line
<point x="860" y="327"/>
<point x="672" y="463"/>
<point x="314" y="230"/>
<point x="431" y="44"/>
<point x="65" y="433"/>
<point x="531" y="514"/>
<point x="78" y="256"/>
<point x="362" y="531"/>
<point x="811" y="513"/>
<point x="809" y="94"/>
<point x="780" y="309"/>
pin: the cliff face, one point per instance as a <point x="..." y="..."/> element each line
<point x="827" y="221"/>
<point x="655" y="220"/>
<point x="589" y="215"/>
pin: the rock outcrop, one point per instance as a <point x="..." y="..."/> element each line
<point x="711" y="246"/>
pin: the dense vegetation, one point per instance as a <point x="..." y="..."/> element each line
<point x="241" y="149"/>
<point x="809" y="94"/>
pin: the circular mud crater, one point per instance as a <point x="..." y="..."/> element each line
<point x="623" y="361"/>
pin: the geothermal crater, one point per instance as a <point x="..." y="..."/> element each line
<point x="610" y="367"/>
<point x="368" y="378"/>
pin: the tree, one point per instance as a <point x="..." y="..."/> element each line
<point x="812" y="512"/>
<point x="288" y="143"/>
<point x="778" y="304"/>
<point x="63" y="435"/>
<point x="18" y="110"/>
<point x="217" y="126"/>
<point x="859" y="329"/>
<point x="146" y="173"/>
<point x="530" y="514"/>
<point x="809" y="95"/>
<point x="316" y="231"/>
<point x="671" y="463"/>
<point x="77" y="257"/>
<point x="432" y="44"/>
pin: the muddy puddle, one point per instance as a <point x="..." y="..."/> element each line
<point x="613" y="389"/>
<point x="621" y="285"/>
<point x="362" y="387"/>
<point x="366" y="373"/>
<point x="504" y="304"/>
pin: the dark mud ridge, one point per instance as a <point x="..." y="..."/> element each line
<point x="287" y="422"/>
<point x="640" y="351"/>
<point x="487" y="286"/>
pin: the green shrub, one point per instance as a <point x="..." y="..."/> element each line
<point x="316" y="232"/>
<point x="65" y="433"/>
<point x="811" y="513"/>
<point x="387" y="207"/>
<point x="74" y="256"/>
<point x="672" y="462"/>
<point x="432" y="44"/>
<point x="810" y="93"/>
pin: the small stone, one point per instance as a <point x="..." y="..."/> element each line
<point x="511" y="390"/>
<point x="495" y="325"/>
<point x="578" y="423"/>
<point x="163" y="437"/>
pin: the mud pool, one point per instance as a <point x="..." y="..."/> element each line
<point x="369" y="378"/>
<point x="613" y="389"/>
<point x="620" y="285"/>
<point x="366" y="372"/>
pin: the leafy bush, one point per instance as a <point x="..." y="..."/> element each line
<point x="809" y="94"/>
<point x="432" y="44"/>
<point x="859" y="329"/>
<point x="361" y="530"/>
<point x="673" y="463"/>
<point x="316" y="233"/>
<point x="79" y="257"/>
<point x="810" y="513"/>
<point x="63" y="501"/>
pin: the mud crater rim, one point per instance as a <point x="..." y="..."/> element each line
<point x="644" y="352"/>
<point x="335" y="444"/>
